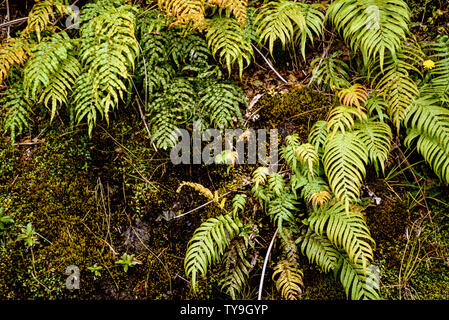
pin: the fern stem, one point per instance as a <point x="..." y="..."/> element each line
<point x="259" y="297"/>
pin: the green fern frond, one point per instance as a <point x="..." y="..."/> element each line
<point x="108" y="51"/>
<point x="342" y="118"/>
<point x="318" y="135"/>
<point x="375" y="27"/>
<point x="51" y="72"/>
<point x="346" y="230"/>
<point x="15" y="111"/>
<point x="394" y="82"/>
<point x="429" y="122"/>
<point x="307" y="156"/>
<point x="376" y="136"/>
<point x="208" y="245"/>
<point x="43" y="14"/>
<point x="330" y="71"/>
<point x="227" y="43"/>
<point x="282" y="209"/>
<point x="221" y="103"/>
<point x="439" y="83"/>
<point x="359" y="283"/>
<point x="282" y="20"/>
<point x="344" y="160"/>
<point x="319" y="250"/>
<point x="238" y="203"/>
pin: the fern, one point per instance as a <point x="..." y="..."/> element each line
<point x="344" y="160"/>
<point x="345" y="230"/>
<point x="236" y="268"/>
<point x="439" y="83"/>
<point x="42" y="15"/>
<point x="319" y="250"/>
<point x="330" y="71"/>
<point x="343" y="118"/>
<point x="429" y="122"/>
<point x="51" y="72"/>
<point x="288" y="279"/>
<point x="318" y="135"/>
<point x="394" y="82"/>
<point x="108" y="52"/>
<point x="221" y="102"/>
<point x="13" y="52"/>
<point x="208" y="245"/>
<point x="359" y="283"/>
<point x="226" y="41"/>
<point x="283" y="20"/>
<point x="238" y="203"/>
<point x="375" y="27"/>
<point x="15" y="111"/>
<point x="376" y="136"/>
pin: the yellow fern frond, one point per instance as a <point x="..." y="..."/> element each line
<point x="342" y="118"/>
<point x="237" y="8"/>
<point x="184" y="11"/>
<point x="289" y="279"/>
<point x="43" y="14"/>
<point x="307" y="154"/>
<point x="320" y="198"/>
<point x="204" y="192"/>
<point x="353" y="96"/>
<point x="13" y="51"/>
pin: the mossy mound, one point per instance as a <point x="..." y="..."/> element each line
<point x="293" y="111"/>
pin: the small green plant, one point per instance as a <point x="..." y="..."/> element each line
<point x="28" y="235"/>
<point x="95" y="269"/>
<point x="5" y="221"/>
<point x="127" y="261"/>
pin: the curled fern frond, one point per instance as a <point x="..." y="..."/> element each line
<point x="208" y="245"/>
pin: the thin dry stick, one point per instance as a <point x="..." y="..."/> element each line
<point x="259" y="297"/>
<point x="270" y="65"/>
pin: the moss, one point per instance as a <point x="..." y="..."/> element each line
<point x="293" y="111"/>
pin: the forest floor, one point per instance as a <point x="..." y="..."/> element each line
<point x="92" y="200"/>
